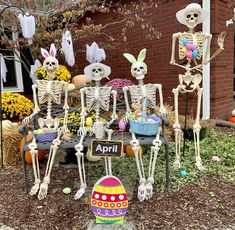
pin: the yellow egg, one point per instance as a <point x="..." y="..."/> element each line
<point x="89" y="121"/>
<point x="184" y="50"/>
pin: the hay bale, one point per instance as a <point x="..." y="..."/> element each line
<point x="11" y="148"/>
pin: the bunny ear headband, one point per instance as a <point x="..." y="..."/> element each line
<point x="95" y="55"/>
<point x="133" y="60"/>
<point x="52" y="52"/>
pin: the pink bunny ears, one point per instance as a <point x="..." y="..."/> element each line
<point x="52" y="52"/>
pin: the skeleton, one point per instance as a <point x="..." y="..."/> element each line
<point x="47" y="92"/>
<point x="97" y="98"/>
<point x="138" y="94"/>
<point x="190" y="81"/>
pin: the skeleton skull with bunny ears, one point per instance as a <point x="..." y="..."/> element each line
<point x="50" y="63"/>
<point x="138" y="68"/>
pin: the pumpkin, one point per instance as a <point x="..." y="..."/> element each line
<point x="80" y="80"/>
<point x="71" y="86"/>
<point x="28" y="159"/>
<point x="6" y="124"/>
<point x="129" y="152"/>
<point x="231" y="119"/>
<point x="233" y="113"/>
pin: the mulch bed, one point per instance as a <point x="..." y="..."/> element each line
<point x="209" y="205"/>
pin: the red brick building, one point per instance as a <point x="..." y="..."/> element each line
<point x="159" y="53"/>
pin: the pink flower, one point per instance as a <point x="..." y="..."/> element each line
<point x="215" y="158"/>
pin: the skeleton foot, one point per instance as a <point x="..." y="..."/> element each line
<point x="149" y="190"/>
<point x="43" y="191"/>
<point x="177" y="164"/>
<point x="80" y="192"/>
<point x="199" y="165"/>
<point x="141" y="192"/>
<point x="34" y="189"/>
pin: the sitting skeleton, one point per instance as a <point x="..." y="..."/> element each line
<point x="47" y="92"/>
<point x="138" y="95"/>
<point x="98" y="100"/>
<point x="191" y="46"/>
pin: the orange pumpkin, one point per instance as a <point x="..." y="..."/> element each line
<point x="80" y="80"/>
<point x="28" y="159"/>
<point x="129" y="152"/>
<point x="231" y="119"/>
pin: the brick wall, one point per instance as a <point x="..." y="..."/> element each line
<point x="159" y="53"/>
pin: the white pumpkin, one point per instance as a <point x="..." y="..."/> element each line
<point x="233" y="113"/>
<point x="90" y="157"/>
<point x="6" y="125"/>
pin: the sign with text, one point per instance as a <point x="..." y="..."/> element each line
<point x="107" y="148"/>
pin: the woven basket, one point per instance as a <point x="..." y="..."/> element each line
<point x="46" y="137"/>
<point x="144" y="127"/>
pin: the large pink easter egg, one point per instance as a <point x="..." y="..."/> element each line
<point x="109" y="201"/>
<point x="189" y="54"/>
<point x="122" y="125"/>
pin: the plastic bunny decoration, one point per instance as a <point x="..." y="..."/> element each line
<point x="191" y="46"/>
<point x="143" y="94"/>
<point x="97" y="99"/>
<point x="47" y="92"/>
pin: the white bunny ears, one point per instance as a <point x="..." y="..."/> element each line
<point x="133" y="60"/>
<point x="52" y="52"/>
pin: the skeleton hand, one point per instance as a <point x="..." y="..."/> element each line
<point x="172" y="62"/>
<point x="125" y="119"/>
<point x="220" y="39"/>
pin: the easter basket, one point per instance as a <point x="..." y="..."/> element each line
<point x="144" y="126"/>
<point x="42" y="136"/>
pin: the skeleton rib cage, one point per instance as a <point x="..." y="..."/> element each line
<point x="140" y="92"/>
<point x="198" y="39"/>
<point x="52" y="89"/>
<point x="98" y="96"/>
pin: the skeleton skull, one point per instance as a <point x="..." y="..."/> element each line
<point x="192" y="18"/>
<point x="51" y="64"/>
<point x="138" y="70"/>
<point x="97" y="73"/>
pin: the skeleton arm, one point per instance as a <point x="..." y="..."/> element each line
<point x="66" y="106"/>
<point x="28" y="119"/>
<point x="114" y="114"/>
<point x="220" y="42"/>
<point x="174" y="37"/>
<point x="83" y="113"/>
<point x="162" y="109"/>
<point x="128" y="111"/>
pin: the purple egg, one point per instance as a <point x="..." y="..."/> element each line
<point x="122" y="125"/>
<point x="193" y="47"/>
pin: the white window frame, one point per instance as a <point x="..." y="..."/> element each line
<point x="18" y="72"/>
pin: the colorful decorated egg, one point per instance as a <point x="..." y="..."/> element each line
<point x="109" y="201"/>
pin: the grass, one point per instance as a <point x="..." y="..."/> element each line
<point x="215" y="143"/>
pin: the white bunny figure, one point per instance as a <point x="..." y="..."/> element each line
<point x="140" y="94"/>
<point x="47" y="92"/>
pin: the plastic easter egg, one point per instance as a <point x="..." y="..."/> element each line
<point x="185" y="42"/>
<point x="215" y="159"/>
<point x="184" y="50"/>
<point x="193" y="47"/>
<point x="189" y="54"/>
<point x="109" y="201"/>
<point x="89" y="122"/>
<point x="189" y="46"/>
<point x="122" y="125"/>
<point x="195" y="54"/>
<point x="66" y="190"/>
<point x="183" y="173"/>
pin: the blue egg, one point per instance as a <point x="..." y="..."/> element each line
<point x="183" y="173"/>
<point x="185" y="41"/>
<point x="195" y="54"/>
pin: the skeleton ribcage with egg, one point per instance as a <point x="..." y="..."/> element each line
<point x="49" y="89"/>
<point x="197" y="39"/>
<point x="139" y="92"/>
<point x="98" y="96"/>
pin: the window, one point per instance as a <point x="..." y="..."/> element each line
<point x="14" y="79"/>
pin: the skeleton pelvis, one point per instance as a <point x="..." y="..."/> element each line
<point x="187" y="79"/>
<point x="98" y="129"/>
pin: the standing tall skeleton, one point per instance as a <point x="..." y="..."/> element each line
<point x="47" y="92"/>
<point x="138" y="94"/>
<point x="191" y="46"/>
<point x="97" y="99"/>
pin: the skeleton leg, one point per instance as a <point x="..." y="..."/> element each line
<point x="34" y="155"/>
<point x="196" y="132"/>
<point x="178" y="131"/>
<point x="142" y="189"/>
<point x="81" y="168"/>
<point x="108" y="162"/>
<point x="152" y="164"/>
